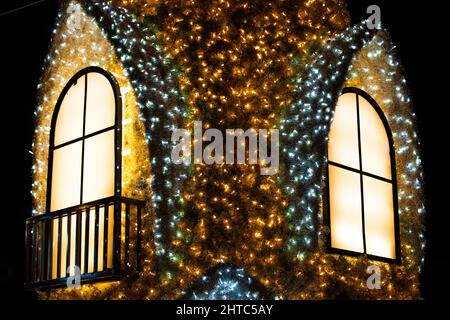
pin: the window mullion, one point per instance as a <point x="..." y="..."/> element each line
<point x="83" y="137"/>
<point x="87" y="136"/>
<point x="361" y="175"/>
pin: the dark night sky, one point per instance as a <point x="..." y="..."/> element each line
<point x="414" y="26"/>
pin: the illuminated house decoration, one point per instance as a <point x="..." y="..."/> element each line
<point x="122" y="75"/>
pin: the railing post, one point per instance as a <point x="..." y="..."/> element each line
<point x="28" y="269"/>
<point x="138" y="237"/>
<point x="35" y="256"/>
<point x="69" y="238"/>
<point x="86" y="241"/>
<point x="106" y="236"/>
<point x="127" y="235"/>
<point x="96" y="238"/>
<point x="58" y="260"/>
<point x="78" y="239"/>
<point x="117" y="236"/>
<point x="41" y="251"/>
<point x="48" y="247"/>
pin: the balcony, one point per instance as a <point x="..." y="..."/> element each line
<point x="98" y="241"/>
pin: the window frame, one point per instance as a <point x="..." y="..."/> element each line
<point x="117" y="127"/>
<point x="326" y="199"/>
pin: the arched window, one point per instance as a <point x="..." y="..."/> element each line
<point x="85" y="141"/>
<point x="84" y="172"/>
<point x="88" y="227"/>
<point x="362" y="188"/>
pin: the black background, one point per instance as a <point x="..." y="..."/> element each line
<point x="417" y="29"/>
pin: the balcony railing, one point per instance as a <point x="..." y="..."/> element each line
<point x="96" y="241"/>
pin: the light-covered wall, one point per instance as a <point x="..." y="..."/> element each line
<point x="78" y="42"/>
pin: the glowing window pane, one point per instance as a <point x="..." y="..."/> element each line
<point x="69" y="124"/>
<point x="73" y="241"/>
<point x="343" y="144"/>
<point x="109" y="262"/>
<point x="98" y="174"/>
<point x="55" y="226"/>
<point x="100" y="103"/>
<point x="345" y="210"/>
<point x="66" y="173"/>
<point x="375" y="151"/>
<point x="83" y="240"/>
<point x="101" y="238"/>
<point x="379" y="218"/>
<point x="91" y="238"/>
<point x="64" y="245"/>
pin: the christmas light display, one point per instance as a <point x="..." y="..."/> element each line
<point x="221" y="231"/>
